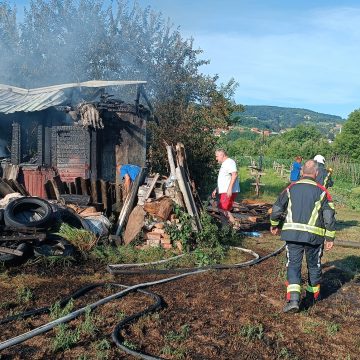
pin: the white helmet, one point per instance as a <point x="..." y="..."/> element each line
<point x="320" y="159"/>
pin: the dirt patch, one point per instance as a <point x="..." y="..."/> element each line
<point x="228" y="314"/>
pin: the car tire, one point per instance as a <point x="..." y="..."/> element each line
<point x="28" y="212"/>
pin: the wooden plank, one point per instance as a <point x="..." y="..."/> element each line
<point x="78" y="186"/>
<point x="55" y="189"/>
<point x="11" y="172"/>
<point x="170" y="155"/>
<point x="129" y="201"/>
<point x="6" y="250"/>
<point x="5" y="189"/>
<point x="95" y="191"/>
<point x="59" y="184"/>
<point x="152" y="185"/>
<point x="72" y="188"/>
<point x="104" y="186"/>
<point x="84" y="186"/>
<point x="49" y="190"/>
<point x="134" y="224"/>
<point x="39" y="236"/>
<point x="66" y="188"/>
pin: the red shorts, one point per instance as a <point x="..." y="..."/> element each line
<point x="225" y="202"/>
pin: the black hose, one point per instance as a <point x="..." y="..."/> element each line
<point x="119" y="340"/>
<point x="116" y="333"/>
<point x="114" y="270"/>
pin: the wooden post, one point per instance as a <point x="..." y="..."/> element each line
<point x="170" y="155"/>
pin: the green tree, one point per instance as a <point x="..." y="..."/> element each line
<point x="302" y="133"/>
<point x="348" y="142"/>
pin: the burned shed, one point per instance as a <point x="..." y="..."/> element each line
<point x="72" y="130"/>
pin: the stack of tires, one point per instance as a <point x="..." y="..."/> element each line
<point x="30" y="215"/>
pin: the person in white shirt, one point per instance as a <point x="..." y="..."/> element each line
<point x="228" y="183"/>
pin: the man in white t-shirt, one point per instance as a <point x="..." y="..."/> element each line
<point x="228" y="183"/>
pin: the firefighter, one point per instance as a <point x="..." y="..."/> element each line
<point x="324" y="175"/>
<point x="308" y="227"/>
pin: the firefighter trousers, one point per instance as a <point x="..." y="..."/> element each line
<point x="295" y="252"/>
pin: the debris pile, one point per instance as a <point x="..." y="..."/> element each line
<point x="154" y="215"/>
<point x="248" y="214"/>
<point x="146" y="214"/>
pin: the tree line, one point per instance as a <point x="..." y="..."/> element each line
<point x="303" y="140"/>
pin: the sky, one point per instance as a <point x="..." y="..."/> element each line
<point x="302" y="54"/>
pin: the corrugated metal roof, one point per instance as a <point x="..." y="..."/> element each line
<point x="13" y="99"/>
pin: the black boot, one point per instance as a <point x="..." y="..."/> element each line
<point x="312" y="295"/>
<point x="292" y="305"/>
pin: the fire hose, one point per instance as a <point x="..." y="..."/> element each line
<point x="128" y="289"/>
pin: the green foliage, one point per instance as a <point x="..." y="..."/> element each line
<point x="24" y="295"/>
<point x="56" y="311"/>
<point x="173" y="341"/>
<point x="183" y="231"/>
<point x="333" y="328"/>
<point x="52" y="261"/>
<point x="181" y="335"/>
<point x="65" y="338"/>
<point x="87" y="326"/>
<point x="130" y="345"/>
<point x="305" y="141"/>
<point x="252" y="332"/>
<point x="348" y="142"/>
<point x="82" y="239"/>
<point x="102" y="348"/>
<point x="127" y="254"/>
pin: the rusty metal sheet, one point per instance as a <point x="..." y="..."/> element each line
<point x="35" y="180"/>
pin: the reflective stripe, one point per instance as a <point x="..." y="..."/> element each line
<point x="289" y="211"/>
<point x="304" y="227"/>
<point x="288" y="259"/>
<point x="306" y="181"/>
<point x="326" y="179"/>
<point x="315" y="213"/>
<point x="319" y="257"/>
<point x="331" y="204"/>
<point x="313" y="289"/>
<point x="274" y="222"/>
<point x="293" y="287"/>
<point x="330" y="234"/>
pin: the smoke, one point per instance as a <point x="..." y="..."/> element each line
<point x="4" y="152"/>
<point x="73" y="41"/>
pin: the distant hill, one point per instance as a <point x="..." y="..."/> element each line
<point x="276" y="118"/>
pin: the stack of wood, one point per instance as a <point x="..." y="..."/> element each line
<point x="248" y="214"/>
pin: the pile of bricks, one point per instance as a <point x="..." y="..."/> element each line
<point x="158" y="237"/>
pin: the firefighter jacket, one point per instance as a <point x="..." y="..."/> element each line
<point x="309" y="211"/>
<point x="324" y="176"/>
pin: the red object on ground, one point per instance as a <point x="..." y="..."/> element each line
<point x="225" y="202"/>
